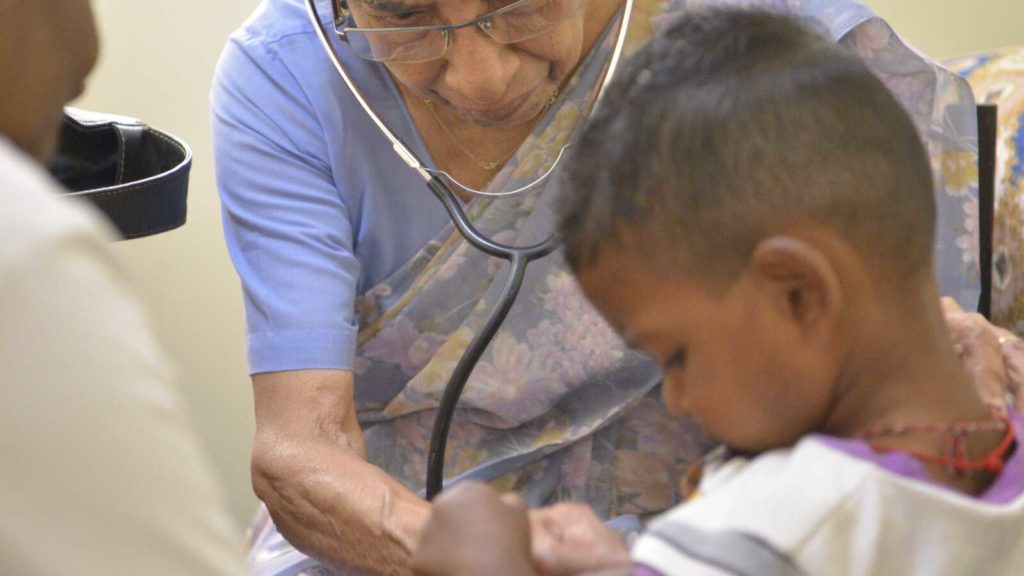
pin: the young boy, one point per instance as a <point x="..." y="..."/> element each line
<point x="752" y="208"/>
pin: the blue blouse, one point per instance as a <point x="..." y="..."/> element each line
<point x="317" y="206"/>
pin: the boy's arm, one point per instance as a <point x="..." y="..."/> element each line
<point x="473" y="530"/>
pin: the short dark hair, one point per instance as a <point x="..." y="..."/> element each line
<point x="731" y="124"/>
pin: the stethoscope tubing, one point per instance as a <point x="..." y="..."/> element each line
<point x="519" y="257"/>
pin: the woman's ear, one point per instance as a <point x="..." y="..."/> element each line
<point x="801" y="283"/>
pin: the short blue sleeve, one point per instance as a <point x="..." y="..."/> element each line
<point x="287" y="228"/>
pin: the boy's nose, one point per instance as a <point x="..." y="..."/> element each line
<point x="479" y="68"/>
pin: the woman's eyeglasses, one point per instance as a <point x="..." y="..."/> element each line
<point x="422" y="40"/>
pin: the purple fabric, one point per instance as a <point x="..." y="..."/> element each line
<point x="1007" y="487"/>
<point x="641" y="570"/>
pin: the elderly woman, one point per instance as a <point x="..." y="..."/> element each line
<point x="360" y="297"/>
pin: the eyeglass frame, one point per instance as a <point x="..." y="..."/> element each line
<point x="342" y="13"/>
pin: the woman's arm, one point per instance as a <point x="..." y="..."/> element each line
<point x="309" y="468"/>
<point x="292" y="238"/>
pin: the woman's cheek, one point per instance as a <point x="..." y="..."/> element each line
<point x="417" y="77"/>
<point x="561" y="50"/>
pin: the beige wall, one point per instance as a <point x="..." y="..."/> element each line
<point x="157" y="64"/>
<point x="947" y="28"/>
<point x="157" y="61"/>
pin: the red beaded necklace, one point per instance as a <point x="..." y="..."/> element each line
<point x="955" y="457"/>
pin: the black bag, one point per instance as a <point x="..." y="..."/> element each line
<point x="136" y="175"/>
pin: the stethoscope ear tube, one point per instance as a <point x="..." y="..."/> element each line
<point x="519" y="257"/>
<point x="399" y="146"/>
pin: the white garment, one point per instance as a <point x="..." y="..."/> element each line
<point x="813" y="509"/>
<point x="100" y="473"/>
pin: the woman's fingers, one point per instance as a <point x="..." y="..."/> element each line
<point x="1013" y="359"/>
<point x="513" y="500"/>
<point x="949" y="305"/>
<point x="986" y="355"/>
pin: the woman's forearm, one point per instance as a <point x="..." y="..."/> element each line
<point x="309" y="469"/>
<point x="333" y="505"/>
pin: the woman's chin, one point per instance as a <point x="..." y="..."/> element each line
<point x="508" y="116"/>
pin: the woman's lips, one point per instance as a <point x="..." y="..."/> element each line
<point x="501" y="112"/>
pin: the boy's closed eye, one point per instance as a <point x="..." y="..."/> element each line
<point x="676" y="360"/>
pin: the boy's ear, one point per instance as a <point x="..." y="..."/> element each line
<point x="802" y="284"/>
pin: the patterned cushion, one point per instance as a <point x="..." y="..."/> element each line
<point x="998" y="77"/>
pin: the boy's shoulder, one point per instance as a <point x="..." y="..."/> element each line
<point x="815" y="509"/>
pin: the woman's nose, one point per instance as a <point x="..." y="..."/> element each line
<point x="479" y="68"/>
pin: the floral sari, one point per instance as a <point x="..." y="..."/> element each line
<point x="557" y="409"/>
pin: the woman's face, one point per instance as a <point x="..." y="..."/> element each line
<point x="486" y="82"/>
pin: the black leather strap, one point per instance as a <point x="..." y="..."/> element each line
<point x="135" y="174"/>
<point x="988" y="127"/>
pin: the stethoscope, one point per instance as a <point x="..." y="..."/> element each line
<point x="519" y="257"/>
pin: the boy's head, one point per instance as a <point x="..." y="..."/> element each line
<point x="744" y="196"/>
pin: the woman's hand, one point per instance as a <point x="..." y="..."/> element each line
<point x="992" y="356"/>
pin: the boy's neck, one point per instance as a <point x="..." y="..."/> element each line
<point x="902" y="370"/>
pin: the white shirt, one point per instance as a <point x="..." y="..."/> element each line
<point x="100" y="473"/>
<point x="813" y="509"/>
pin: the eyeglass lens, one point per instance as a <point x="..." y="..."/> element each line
<point x="383" y="39"/>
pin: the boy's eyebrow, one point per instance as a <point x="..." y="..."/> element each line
<point x="393" y="6"/>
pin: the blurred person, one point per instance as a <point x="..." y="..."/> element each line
<point x="101" y="473"/>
